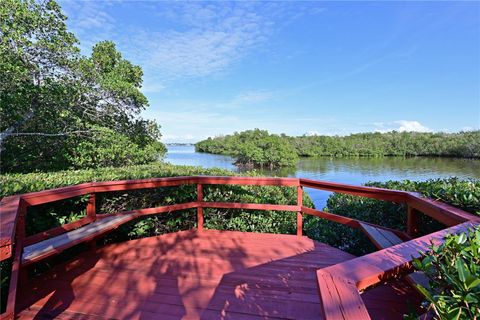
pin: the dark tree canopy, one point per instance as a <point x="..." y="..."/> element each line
<point x="55" y="101"/>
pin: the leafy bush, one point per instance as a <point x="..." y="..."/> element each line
<point x="107" y="148"/>
<point x="453" y="270"/>
<point x="253" y="148"/>
<point x="464" y="194"/>
<point x="54" y="214"/>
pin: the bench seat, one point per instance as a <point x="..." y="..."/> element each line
<point x="49" y="247"/>
<point x="382" y="239"/>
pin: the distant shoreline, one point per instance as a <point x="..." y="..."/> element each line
<point x="179" y="144"/>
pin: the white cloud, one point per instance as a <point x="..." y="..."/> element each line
<point x="401" y="126"/>
<point x="411" y="126"/>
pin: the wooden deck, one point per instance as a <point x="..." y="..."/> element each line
<point x="198" y="275"/>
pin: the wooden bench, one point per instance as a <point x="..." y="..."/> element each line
<point x="382" y="239"/>
<point x="52" y="246"/>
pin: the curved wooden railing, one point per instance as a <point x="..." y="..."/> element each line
<point x="340" y="285"/>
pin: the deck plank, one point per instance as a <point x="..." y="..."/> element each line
<point x="192" y="275"/>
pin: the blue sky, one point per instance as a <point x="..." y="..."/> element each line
<point x="213" y="68"/>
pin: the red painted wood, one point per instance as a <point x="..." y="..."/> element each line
<point x="299" y="213"/>
<point x="16" y="263"/>
<point x="193" y="275"/>
<point x="258" y="181"/>
<point x="249" y="206"/>
<point x="46" y="196"/>
<point x="91" y="207"/>
<point x="370" y="192"/>
<point x="156" y="210"/>
<point x="413" y="221"/>
<point x="9" y="207"/>
<point x="372" y="269"/>
<point x="340" y="298"/>
<point x="440" y="211"/>
<point x="382" y="265"/>
<point x="124" y="185"/>
<point x="199" y="209"/>
<point x="354" y="223"/>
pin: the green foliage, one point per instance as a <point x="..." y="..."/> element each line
<point x="464" y="194"/>
<point x="54" y="101"/>
<point x="106" y="148"/>
<point x="50" y="215"/>
<point x="453" y="270"/>
<point x="462" y="144"/>
<point x="252" y="221"/>
<point x="252" y="148"/>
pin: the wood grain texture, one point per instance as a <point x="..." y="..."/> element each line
<point x="193" y="275"/>
<point x="393" y="261"/>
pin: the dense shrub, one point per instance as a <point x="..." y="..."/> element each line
<point x="453" y="270"/>
<point x="464" y="194"/>
<point x="106" y="147"/>
<point x="49" y="215"/>
<point x="253" y="148"/>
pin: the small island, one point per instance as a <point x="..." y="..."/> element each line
<point x="259" y="148"/>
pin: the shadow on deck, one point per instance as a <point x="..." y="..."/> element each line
<point x="198" y="275"/>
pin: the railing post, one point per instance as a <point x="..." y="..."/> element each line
<point x="92" y="207"/>
<point x="299" y="213"/>
<point x="21" y="276"/>
<point x="413" y="221"/>
<point x="199" y="209"/>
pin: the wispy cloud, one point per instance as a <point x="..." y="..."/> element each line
<point x="207" y="38"/>
<point x="90" y="21"/>
<point x="191" y="39"/>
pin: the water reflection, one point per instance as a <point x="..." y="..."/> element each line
<point x="346" y="170"/>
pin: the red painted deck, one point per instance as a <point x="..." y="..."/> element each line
<point x="192" y="275"/>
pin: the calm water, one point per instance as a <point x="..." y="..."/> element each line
<point x="347" y="170"/>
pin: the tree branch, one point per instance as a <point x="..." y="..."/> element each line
<point x="3" y="135"/>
